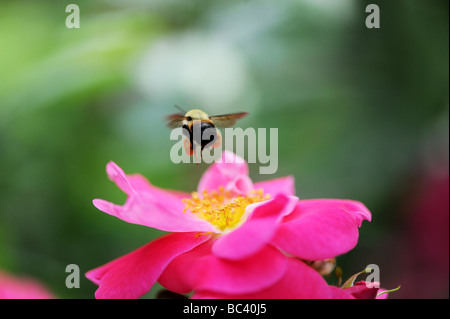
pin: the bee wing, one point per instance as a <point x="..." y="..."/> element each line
<point x="227" y="120"/>
<point x="175" y="120"/>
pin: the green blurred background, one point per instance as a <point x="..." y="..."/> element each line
<point x="361" y="114"/>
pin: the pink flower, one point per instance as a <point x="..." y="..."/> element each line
<point x="231" y="238"/>
<point x="12" y="287"/>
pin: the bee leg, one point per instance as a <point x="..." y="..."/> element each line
<point x="195" y="155"/>
<point x="188" y="147"/>
<point x="218" y="141"/>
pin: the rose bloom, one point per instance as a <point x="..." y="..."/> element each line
<point x="232" y="238"/>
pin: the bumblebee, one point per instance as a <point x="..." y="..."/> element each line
<point x="196" y="122"/>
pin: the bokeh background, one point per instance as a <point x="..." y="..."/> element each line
<point x="361" y="114"/>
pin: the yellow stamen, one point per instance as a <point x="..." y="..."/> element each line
<point x="221" y="208"/>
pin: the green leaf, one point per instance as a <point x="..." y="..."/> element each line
<point x="351" y="281"/>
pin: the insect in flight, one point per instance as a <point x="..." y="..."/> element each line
<point x="194" y="120"/>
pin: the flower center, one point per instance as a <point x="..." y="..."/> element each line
<point x="220" y="208"/>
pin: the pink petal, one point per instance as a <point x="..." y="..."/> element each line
<point x="321" y="229"/>
<point x="356" y="209"/>
<point x="230" y="168"/>
<point x="141" y="184"/>
<point x="298" y="282"/>
<point x="131" y="184"/>
<point x="339" y="293"/>
<point x="363" y="290"/>
<point x="201" y="270"/>
<point x="240" y="185"/>
<point x="117" y="175"/>
<point x="178" y="275"/>
<point x="151" y="206"/>
<point x="132" y="275"/>
<point x="149" y="212"/>
<point x="136" y="184"/>
<point x="383" y="296"/>
<point x="282" y="185"/>
<point x="257" y="230"/>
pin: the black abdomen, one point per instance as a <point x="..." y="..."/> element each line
<point x="202" y="133"/>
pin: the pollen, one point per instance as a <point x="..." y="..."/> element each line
<point x="221" y="208"/>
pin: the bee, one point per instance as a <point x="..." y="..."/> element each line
<point x="198" y="121"/>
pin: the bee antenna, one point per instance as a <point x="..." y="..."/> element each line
<point x="180" y="109"/>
